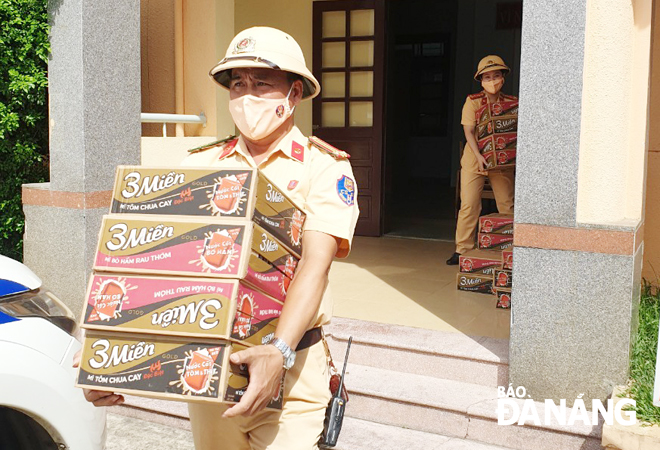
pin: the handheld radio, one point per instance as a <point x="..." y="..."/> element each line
<point x="334" y="414"/>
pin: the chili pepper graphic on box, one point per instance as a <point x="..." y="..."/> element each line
<point x="237" y="193"/>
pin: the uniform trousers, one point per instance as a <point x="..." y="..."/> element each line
<point x="472" y="185"/>
<point x="297" y="427"/>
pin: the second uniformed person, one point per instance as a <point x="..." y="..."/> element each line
<point x="491" y="73"/>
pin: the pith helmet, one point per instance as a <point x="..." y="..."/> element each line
<point x="269" y="48"/>
<point x="490" y="63"/>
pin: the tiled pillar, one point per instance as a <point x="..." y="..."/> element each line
<point x="94" y="76"/>
<point x="577" y="255"/>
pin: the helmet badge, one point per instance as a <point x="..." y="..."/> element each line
<point x="244" y="45"/>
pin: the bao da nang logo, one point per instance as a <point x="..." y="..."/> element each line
<point x="514" y="407"/>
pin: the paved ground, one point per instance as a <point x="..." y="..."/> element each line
<point x="127" y="433"/>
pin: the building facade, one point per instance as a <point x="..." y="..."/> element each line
<point x="395" y="75"/>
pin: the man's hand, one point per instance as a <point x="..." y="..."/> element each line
<point x="98" y="398"/>
<point x="265" y="364"/>
<point x="103" y="398"/>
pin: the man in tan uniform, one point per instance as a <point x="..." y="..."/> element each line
<point x="265" y="73"/>
<point x="491" y="72"/>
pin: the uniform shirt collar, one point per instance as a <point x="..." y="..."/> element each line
<point x="292" y="145"/>
<point x="500" y="96"/>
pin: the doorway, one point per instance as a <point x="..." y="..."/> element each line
<point x="432" y="49"/>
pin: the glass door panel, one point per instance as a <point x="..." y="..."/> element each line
<point x="333" y="114"/>
<point x="334" y="24"/>
<point x="361" y="114"/>
<point x="362" y="84"/>
<point x="334" y="54"/>
<point x="333" y="85"/>
<point x="362" y="22"/>
<point x="362" y="53"/>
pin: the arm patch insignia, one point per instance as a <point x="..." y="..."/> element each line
<point x="346" y="190"/>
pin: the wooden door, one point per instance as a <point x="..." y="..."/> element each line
<point x="349" y="44"/>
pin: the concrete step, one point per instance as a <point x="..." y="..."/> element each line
<point x="135" y="432"/>
<point x="453" y="408"/>
<point x="452" y="356"/>
<point x="359" y="434"/>
<point x="171" y="414"/>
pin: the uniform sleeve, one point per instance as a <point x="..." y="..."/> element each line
<point x="331" y="203"/>
<point x="468" y="117"/>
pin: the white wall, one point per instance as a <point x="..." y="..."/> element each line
<point x="614" y="112"/>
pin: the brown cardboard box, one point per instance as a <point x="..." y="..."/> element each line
<point x="506" y="108"/>
<point x="483" y="114"/>
<point x="503" y="124"/>
<point x="502" y="279"/>
<point x="192" y="246"/>
<point x="496" y="223"/>
<point x="174" y="245"/>
<point x="237" y="193"/>
<point x="272" y="250"/>
<point x="505" y="158"/>
<point x="491" y="241"/>
<point x="265" y="277"/>
<point x="503" y="298"/>
<point x="507" y="259"/>
<point x="475" y="282"/>
<point x="155" y="366"/>
<point x="501" y="159"/>
<point x="161" y="367"/>
<point x="495" y="142"/>
<point x="479" y="262"/>
<point x="188" y="307"/>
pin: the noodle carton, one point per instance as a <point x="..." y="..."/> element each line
<point x="235" y="193"/>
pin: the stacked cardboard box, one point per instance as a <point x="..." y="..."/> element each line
<point x="191" y="265"/>
<point x="497" y="127"/>
<point x="488" y="269"/>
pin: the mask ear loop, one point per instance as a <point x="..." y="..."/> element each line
<point x="288" y="109"/>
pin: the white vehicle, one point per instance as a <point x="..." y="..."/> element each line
<point x="39" y="406"/>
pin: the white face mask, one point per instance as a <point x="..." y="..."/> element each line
<point x="258" y="117"/>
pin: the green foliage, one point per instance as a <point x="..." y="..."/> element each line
<point x="24" y="50"/>
<point x="644" y="352"/>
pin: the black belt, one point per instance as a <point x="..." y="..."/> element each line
<point x="310" y="338"/>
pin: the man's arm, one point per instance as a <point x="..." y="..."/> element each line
<point x="302" y="303"/>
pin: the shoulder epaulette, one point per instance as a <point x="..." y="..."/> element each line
<point x="476" y="96"/>
<point x="327" y="148"/>
<point x="509" y="98"/>
<point x="212" y="144"/>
